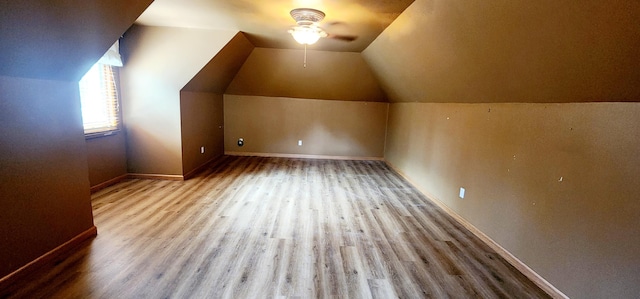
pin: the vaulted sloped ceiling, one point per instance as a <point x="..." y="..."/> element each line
<point x="266" y="22"/>
<point x="216" y="75"/>
<point x="60" y="39"/>
<point x="335" y="70"/>
<point x="510" y="51"/>
<point x="328" y="75"/>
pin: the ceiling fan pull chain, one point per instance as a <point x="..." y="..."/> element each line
<point x="304" y="64"/>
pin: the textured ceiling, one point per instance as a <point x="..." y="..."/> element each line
<point x="266" y="22"/>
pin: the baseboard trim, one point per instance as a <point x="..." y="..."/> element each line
<point x="108" y="183"/>
<point x="23" y="272"/>
<point x="143" y="176"/>
<point x="510" y="258"/>
<point x="146" y="176"/>
<point x="302" y="156"/>
<point x="195" y="171"/>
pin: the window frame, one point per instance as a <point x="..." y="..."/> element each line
<point x="115" y="95"/>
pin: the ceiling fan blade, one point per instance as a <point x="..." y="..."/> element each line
<point x="335" y="23"/>
<point x="346" y="38"/>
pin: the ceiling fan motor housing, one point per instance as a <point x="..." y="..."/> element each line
<point x="307" y="16"/>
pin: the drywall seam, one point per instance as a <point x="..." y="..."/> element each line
<point x="386" y="131"/>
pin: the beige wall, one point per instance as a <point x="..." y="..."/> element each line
<point x="201" y="110"/>
<point x="328" y="75"/>
<point x="159" y="62"/>
<point x="330" y="128"/>
<point x="107" y="158"/>
<point x="202" y="123"/>
<point x="555" y="184"/>
<point x="44" y="187"/>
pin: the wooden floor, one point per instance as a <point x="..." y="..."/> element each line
<point x="251" y="227"/>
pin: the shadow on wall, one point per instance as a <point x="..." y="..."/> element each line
<point x="166" y="159"/>
<point x="341" y="143"/>
<point x="331" y="128"/>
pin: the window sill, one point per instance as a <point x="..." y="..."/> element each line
<point x="94" y="135"/>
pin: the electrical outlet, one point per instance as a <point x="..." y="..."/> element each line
<point x="300" y="142"/>
<point x="202" y="149"/>
<point x="461" y="192"/>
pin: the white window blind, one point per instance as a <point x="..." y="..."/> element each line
<point x="99" y="99"/>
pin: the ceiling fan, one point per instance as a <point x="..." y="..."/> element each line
<point x="307" y="31"/>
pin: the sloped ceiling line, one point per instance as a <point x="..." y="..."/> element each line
<point x="218" y="73"/>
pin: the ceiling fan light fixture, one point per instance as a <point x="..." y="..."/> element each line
<point x="307" y="34"/>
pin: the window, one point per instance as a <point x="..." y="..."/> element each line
<point x="99" y="99"/>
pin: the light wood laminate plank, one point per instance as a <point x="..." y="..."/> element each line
<point x="270" y="227"/>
